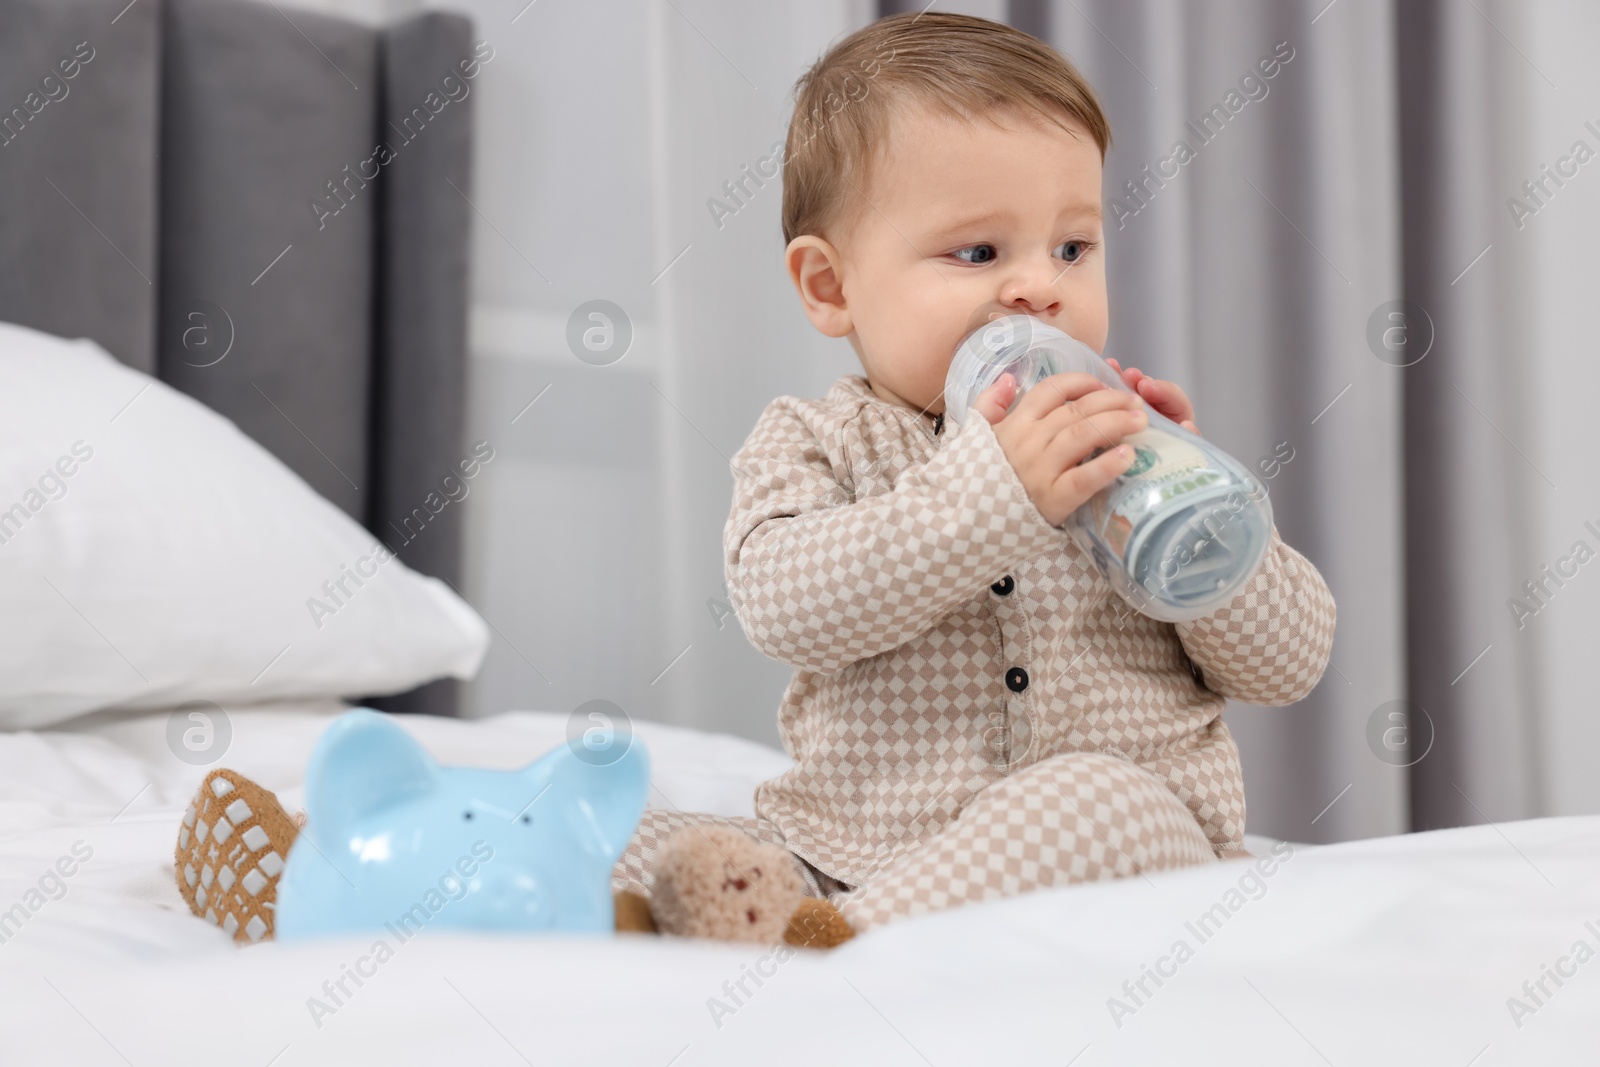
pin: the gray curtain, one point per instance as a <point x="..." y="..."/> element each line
<point x="1264" y="271"/>
<point x="1467" y="436"/>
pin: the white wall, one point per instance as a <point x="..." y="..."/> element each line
<point x="595" y="540"/>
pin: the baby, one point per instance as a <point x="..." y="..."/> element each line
<point x="975" y="712"/>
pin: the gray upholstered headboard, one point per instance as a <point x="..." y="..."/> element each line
<point x="266" y="208"/>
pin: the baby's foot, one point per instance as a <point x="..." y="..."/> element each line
<point x="231" y="849"/>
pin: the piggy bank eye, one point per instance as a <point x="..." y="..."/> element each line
<point x="528" y="819"/>
<point x="467" y="815"/>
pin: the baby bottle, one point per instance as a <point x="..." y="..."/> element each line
<point x="1182" y="529"/>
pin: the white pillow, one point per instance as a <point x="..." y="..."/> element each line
<point x="151" y="553"/>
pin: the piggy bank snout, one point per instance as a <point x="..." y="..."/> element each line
<point x="505" y="891"/>
<point x="512" y="893"/>
<point x="489" y="876"/>
<point x="497" y="860"/>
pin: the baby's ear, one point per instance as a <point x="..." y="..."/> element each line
<point x="815" y="268"/>
<point x="363" y="763"/>
<point x="599" y="796"/>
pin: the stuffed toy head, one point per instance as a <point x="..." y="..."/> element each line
<point x="718" y="882"/>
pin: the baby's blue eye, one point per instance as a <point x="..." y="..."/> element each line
<point x="1080" y="249"/>
<point x="982" y="253"/>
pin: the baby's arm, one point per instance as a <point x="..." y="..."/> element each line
<point x="1271" y="644"/>
<point x="820" y="580"/>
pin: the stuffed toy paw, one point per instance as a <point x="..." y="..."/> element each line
<point x="816" y="923"/>
<point x="633" y="913"/>
<point x="721" y="883"/>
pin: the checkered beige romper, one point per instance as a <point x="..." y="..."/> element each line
<point x="974" y="711"/>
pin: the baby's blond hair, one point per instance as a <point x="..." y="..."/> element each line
<point x="961" y="65"/>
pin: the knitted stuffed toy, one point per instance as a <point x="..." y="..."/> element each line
<point x="231" y="848"/>
<point x="721" y="883"/>
<point x="715" y="883"/>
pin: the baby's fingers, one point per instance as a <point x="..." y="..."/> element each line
<point x="1131" y="375"/>
<point x="994" y="401"/>
<point x="1167" y="398"/>
<point x="1083" y="480"/>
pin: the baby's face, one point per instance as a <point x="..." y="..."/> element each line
<point x="964" y="217"/>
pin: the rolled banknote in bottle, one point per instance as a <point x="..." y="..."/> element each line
<point x="1181" y="530"/>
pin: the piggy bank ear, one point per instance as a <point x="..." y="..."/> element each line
<point x="363" y="764"/>
<point x="599" y="796"/>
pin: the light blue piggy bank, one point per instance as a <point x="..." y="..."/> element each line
<point x="395" y="841"/>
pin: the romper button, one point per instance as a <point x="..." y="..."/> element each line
<point x="1016" y="679"/>
<point x="1003" y="587"/>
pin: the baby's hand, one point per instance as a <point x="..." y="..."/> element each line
<point x="1056" y="426"/>
<point x="1166" y="397"/>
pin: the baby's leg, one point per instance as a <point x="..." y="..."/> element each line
<point x="634" y="871"/>
<point x="1076" y="817"/>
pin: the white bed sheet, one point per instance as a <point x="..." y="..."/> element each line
<point x="1395" y="950"/>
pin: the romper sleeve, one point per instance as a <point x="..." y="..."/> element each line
<point x="820" y="580"/>
<point x="1272" y="642"/>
